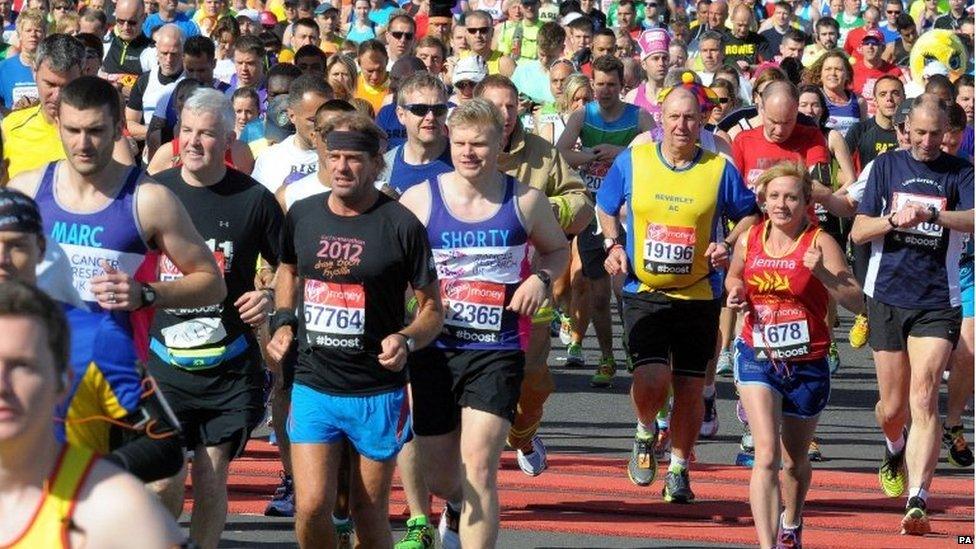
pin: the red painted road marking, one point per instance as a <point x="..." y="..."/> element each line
<point x="592" y="495"/>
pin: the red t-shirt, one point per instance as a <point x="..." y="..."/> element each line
<point x="753" y="154"/>
<point x="852" y="45"/>
<point x="865" y="77"/>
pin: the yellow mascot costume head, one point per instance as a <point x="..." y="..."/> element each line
<point x="938" y="45"/>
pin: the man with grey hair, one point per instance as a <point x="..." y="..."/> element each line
<point x="154" y="83"/>
<point x="207" y="360"/>
<point x="916" y="209"/>
<point x="295" y="156"/>
<point x="30" y="137"/>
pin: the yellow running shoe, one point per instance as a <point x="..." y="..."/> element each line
<point x="858" y="336"/>
<point x="892" y="475"/>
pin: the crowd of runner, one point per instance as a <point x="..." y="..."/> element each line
<point x="365" y="224"/>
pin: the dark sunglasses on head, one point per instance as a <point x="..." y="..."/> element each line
<point x="479" y="30"/>
<point x="421" y="109"/>
<point x="399" y="35"/>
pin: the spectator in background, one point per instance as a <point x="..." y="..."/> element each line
<point x="374" y="78"/>
<point x="362" y="28"/>
<point x="168" y="13"/>
<point x="330" y="25"/>
<point x="92" y="21"/>
<point x="889" y="27"/>
<point x="743" y="46"/>
<point x="400" y="37"/>
<point x="852" y="43"/>
<point x="305" y="32"/>
<point x="432" y="51"/>
<point x="898" y="51"/>
<point x="247" y="107"/>
<point x="952" y="20"/>
<point x="122" y="64"/>
<point x="870" y="67"/>
<point x="531" y="76"/>
<point x="826" y="37"/>
<point x="16" y="73"/>
<point x="249" y="64"/>
<point x="342" y="75"/>
<point x="153" y="84"/>
<point x="779" y="26"/>
<point x="68" y="24"/>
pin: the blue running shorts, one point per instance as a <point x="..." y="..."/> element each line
<point x="803" y="385"/>
<point x="376" y="425"/>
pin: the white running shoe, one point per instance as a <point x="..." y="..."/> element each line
<point x="534" y="462"/>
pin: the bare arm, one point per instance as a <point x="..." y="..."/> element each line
<point x="867" y="228"/>
<point x="162" y="160"/>
<point x="114" y="508"/>
<point x="429" y="318"/>
<point x="826" y="261"/>
<point x="734" y="285"/>
<point x="961" y="221"/>
<point x="550" y="244"/>
<point x="839" y="150"/>
<point x="286" y="298"/>
<point x="166" y="223"/>
<point x="567" y="142"/>
<point x="133" y="121"/>
<point x="240" y="153"/>
<point x="506" y="66"/>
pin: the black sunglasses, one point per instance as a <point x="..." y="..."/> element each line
<point x="130" y="22"/>
<point x="464" y="84"/>
<point x="421" y="109"/>
<point x="893" y="12"/>
<point x="399" y="35"/>
<point x="723" y="100"/>
<point x="479" y="30"/>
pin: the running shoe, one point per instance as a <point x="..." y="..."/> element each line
<point x="574" y="356"/>
<point x="814" y="453"/>
<point x="789" y="538"/>
<point x="745" y="443"/>
<point x="892" y="475"/>
<point x="677" y="488"/>
<point x="916" y="519"/>
<point x="724" y="365"/>
<point x="833" y="358"/>
<point x="709" y="424"/>
<point x="642" y="467"/>
<point x="419" y="535"/>
<point x="448" y="528"/>
<point x="858" y="336"/>
<point x="603" y="378"/>
<point x="554" y="325"/>
<point x="282" y="503"/>
<point x="662" y="444"/>
<point x="565" y="329"/>
<point x="344" y="532"/>
<point x="954" y="441"/>
<point x="533" y="463"/>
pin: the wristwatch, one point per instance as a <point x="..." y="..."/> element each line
<point x="933" y="214"/>
<point x="148" y="294"/>
<point x="545" y="278"/>
<point x="411" y="343"/>
<point x="609" y="243"/>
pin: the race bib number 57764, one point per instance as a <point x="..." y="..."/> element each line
<point x="335" y="314"/>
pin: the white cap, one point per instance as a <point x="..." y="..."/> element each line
<point x="253" y="15"/>
<point x="471" y="68"/>
<point x="570" y="17"/>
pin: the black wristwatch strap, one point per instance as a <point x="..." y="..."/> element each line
<point x="283" y="317"/>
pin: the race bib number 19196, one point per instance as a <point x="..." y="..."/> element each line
<point x="669" y="249"/>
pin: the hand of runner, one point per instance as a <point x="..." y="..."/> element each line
<point x="263" y="277"/>
<point x="820" y="191"/>
<point x="394" y="355"/>
<point x="616" y="261"/>
<point x="254" y="307"/>
<point x="718" y="255"/>
<point x="911" y="215"/>
<point x="280" y="342"/>
<point x="528" y="297"/>
<point x="813" y="259"/>
<point x="116" y="290"/>
<point x="737" y="298"/>
<point x="606" y="153"/>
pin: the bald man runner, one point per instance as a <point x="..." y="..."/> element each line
<point x="674" y="193"/>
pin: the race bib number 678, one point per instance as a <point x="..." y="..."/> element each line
<point x="335" y="314"/>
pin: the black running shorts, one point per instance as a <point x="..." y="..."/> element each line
<point x="890" y="327"/>
<point x="442" y="382"/>
<point x="678" y="332"/>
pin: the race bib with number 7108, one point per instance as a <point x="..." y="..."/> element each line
<point x="335" y="314"/>
<point x="669" y="249"/>
<point x="928" y="231"/>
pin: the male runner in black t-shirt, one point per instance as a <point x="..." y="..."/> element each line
<point x="207" y="360"/>
<point x="347" y="257"/>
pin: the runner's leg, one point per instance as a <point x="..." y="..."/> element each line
<point x="764" y="408"/>
<point x="209" y="473"/>
<point x="440" y="457"/>
<point x="893" y="374"/>
<point x="928" y="357"/>
<point x="600" y="314"/>
<point x="961" y="377"/>
<point x="649" y="390"/>
<point x="412" y="478"/>
<point x="797" y="471"/>
<point x="316" y="469"/>
<point x="370" y="500"/>
<point x="482" y="440"/>
<point x="537" y="385"/>
<point x="686" y="414"/>
<point x="171" y="491"/>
